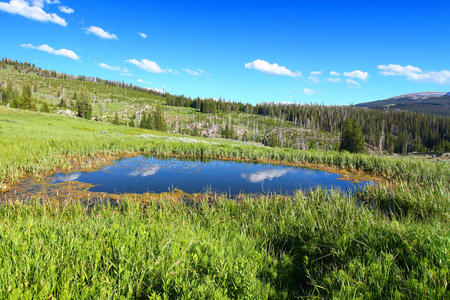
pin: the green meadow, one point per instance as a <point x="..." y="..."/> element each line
<point x="387" y="241"/>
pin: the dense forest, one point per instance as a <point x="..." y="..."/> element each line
<point x="384" y="131"/>
<point x="392" y="131"/>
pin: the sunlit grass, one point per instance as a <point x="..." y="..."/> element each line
<point x="389" y="241"/>
<point x="316" y="244"/>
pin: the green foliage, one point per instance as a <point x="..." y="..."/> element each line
<point x="272" y="140"/>
<point x="45" y="108"/>
<point x="8" y="92"/>
<point x="84" y="107"/>
<point x="27" y="101"/>
<point x="352" y="138"/>
<point x="154" y="120"/>
<point x="146" y="121"/>
<point x="159" y="122"/>
<point x="208" y="106"/>
<point x="228" y="132"/>
<point x="116" y="120"/>
<point x="131" y="121"/>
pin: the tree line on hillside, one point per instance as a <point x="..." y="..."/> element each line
<point x="79" y="102"/>
<point x="31" y="68"/>
<point x="16" y="98"/>
<point x="392" y="131"/>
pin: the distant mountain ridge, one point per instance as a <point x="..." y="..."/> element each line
<point x="437" y="103"/>
<point x="421" y="95"/>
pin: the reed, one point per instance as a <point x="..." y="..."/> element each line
<point x="317" y="244"/>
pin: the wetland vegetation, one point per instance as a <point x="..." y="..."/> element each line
<point x="388" y="240"/>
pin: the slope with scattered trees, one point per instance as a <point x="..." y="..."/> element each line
<point x="275" y="124"/>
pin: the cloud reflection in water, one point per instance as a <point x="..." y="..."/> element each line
<point x="146" y="170"/>
<point x="260" y="176"/>
<point x="67" y="177"/>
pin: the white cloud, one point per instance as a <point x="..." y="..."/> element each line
<point x="316" y="73"/>
<point x="66" y="10"/>
<point x="357" y="74"/>
<point x="150" y="66"/>
<point x="308" y="91"/>
<point x="108" y="67"/>
<point x="334" y="73"/>
<point x="314" y="79"/>
<point x="61" y="52"/>
<point x="286" y="102"/>
<point x="334" y="79"/>
<point x="112" y="68"/>
<point x="143" y="81"/>
<point x="40" y="3"/>
<point x="415" y="74"/>
<point x="263" y="175"/>
<point x="274" y="69"/>
<point x="34" y="11"/>
<point x="155" y="90"/>
<point x="142" y="35"/>
<point x="198" y="72"/>
<point x="353" y="83"/>
<point x="101" y="33"/>
<point x="397" y="70"/>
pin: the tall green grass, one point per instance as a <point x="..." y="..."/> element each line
<point x="321" y="244"/>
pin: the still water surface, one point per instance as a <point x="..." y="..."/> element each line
<point x="148" y="174"/>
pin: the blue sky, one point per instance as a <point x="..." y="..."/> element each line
<point x="330" y="52"/>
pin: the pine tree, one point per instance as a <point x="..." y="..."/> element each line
<point x="158" y="119"/>
<point x="131" y="122"/>
<point x="45" y="108"/>
<point x="352" y="138"/>
<point x="116" y="120"/>
<point x="27" y="98"/>
<point x="84" y="107"/>
<point x="146" y="121"/>
<point x="8" y="92"/>
<point x="229" y="132"/>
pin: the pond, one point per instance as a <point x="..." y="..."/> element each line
<point x="148" y="174"/>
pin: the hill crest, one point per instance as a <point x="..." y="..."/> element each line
<point x="437" y="103"/>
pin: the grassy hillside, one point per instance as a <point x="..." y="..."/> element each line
<point x="130" y="104"/>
